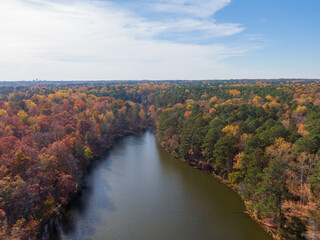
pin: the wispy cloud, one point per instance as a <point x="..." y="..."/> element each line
<point x="199" y="8"/>
<point x="187" y="19"/>
<point x="55" y="39"/>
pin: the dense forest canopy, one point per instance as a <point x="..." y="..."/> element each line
<point x="262" y="137"/>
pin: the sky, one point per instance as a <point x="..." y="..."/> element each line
<point x="159" y="39"/>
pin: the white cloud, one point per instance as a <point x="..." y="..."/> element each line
<point x="200" y="8"/>
<point x="55" y="39"/>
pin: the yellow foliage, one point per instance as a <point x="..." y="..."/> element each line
<point x="282" y="149"/>
<point x="23" y="117"/>
<point x="190" y="101"/>
<point x="269" y="97"/>
<point x="109" y="115"/>
<point x="213" y="99"/>
<point x="189" y="106"/>
<point x="301" y="110"/>
<point x="88" y="153"/>
<point x="270" y="105"/>
<point x="231" y="130"/>
<point x="233" y="101"/>
<point x="3" y="113"/>
<point x="299" y="115"/>
<point x="257" y="100"/>
<point x="30" y="104"/>
<point x="235" y="93"/>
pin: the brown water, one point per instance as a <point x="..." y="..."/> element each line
<point x="140" y="192"/>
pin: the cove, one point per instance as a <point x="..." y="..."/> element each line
<point x="140" y="192"/>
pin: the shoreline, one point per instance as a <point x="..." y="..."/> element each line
<point x="246" y="203"/>
<point x="46" y="225"/>
<point x="269" y="230"/>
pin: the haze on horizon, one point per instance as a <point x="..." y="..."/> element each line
<point x="159" y="39"/>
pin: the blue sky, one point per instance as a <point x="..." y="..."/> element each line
<point x="291" y="29"/>
<point x="159" y="39"/>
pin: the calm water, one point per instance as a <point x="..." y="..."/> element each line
<point x="139" y="192"/>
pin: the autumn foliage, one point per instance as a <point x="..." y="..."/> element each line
<point x="261" y="137"/>
<point x="48" y="137"/>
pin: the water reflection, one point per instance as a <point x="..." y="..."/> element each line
<point x="140" y="192"/>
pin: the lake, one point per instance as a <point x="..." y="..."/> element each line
<point x="140" y="192"/>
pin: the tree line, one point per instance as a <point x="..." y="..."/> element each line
<point x="260" y="137"/>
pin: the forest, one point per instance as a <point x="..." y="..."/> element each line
<point x="260" y="137"/>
